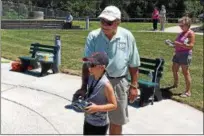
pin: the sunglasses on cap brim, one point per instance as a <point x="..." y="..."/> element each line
<point x="106" y="22"/>
<point x="90" y="64"/>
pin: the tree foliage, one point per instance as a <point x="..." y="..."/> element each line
<point x="129" y="8"/>
<point x="193" y="8"/>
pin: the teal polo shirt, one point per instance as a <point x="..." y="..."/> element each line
<point x="121" y="50"/>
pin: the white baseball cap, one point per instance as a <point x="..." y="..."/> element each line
<point x="110" y="13"/>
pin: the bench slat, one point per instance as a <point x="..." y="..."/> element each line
<point x="152" y="67"/>
<point x="146" y="72"/>
<point x="26" y="58"/>
<point x="153" y="61"/>
<point x="43" y="50"/>
<point x="143" y="71"/>
<point x="41" y="45"/>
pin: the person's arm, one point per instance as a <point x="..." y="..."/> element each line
<point x="157" y="15"/>
<point x="133" y="90"/>
<point x="190" y="43"/>
<point x="71" y="18"/>
<point x="134" y="63"/>
<point x="134" y="74"/>
<point x="111" y="105"/>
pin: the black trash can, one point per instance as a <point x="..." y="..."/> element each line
<point x="67" y="25"/>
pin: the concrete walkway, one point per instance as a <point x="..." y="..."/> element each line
<point x="174" y="29"/>
<point x="177" y="29"/>
<point x="4" y="60"/>
<point x="36" y="105"/>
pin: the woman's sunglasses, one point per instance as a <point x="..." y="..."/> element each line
<point x="106" y="22"/>
<point x="181" y="25"/>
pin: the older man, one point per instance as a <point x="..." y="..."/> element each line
<point x="162" y="17"/>
<point x="68" y="21"/>
<point x="120" y="46"/>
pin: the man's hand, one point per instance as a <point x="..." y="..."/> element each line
<point x="81" y="92"/>
<point x="133" y="93"/>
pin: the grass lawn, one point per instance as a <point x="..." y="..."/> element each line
<point x="129" y="25"/>
<point x="5" y="61"/>
<point x="16" y="43"/>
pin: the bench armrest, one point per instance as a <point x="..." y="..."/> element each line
<point x="26" y="58"/>
<point x="146" y="83"/>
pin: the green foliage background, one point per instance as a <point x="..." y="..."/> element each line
<point x="129" y="8"/>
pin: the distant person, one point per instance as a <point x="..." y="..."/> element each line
<point x="155" y="18"/>
<point x="100" y="94"/>
<point x="162" y="17"/>
<point x="68" y="21"/>
<point x="183" y="54"/>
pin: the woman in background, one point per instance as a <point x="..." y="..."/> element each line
<point x="183" y="54"/>
<point x="155" y="17"/>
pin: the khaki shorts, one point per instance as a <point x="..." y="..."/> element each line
<point x="182" y="58"/>
<point x="120" y="115"/>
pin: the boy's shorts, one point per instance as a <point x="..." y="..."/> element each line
<point x="120" y="115"/>
<point x="182" y="58"/>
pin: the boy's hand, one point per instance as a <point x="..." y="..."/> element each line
<point x="78" y="93"/>
<point x="92" y="108"/>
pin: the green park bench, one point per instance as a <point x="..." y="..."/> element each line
<point x="150" y="73"/>
<point x="45" y="55"/>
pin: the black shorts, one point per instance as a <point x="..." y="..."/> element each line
<point x="94" y="130"/>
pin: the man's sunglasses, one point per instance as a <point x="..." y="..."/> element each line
<point x="106" y="22"/>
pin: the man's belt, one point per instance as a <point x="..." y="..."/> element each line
<point x="116" y="77"/>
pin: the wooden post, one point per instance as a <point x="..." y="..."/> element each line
<point x="87" y="23"/>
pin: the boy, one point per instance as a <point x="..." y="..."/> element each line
<point x="101" y="95"/>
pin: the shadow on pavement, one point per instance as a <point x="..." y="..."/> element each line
<point x="33" y="73"/>
<point x="167" y="93"/>
<point x="135" y="104"/>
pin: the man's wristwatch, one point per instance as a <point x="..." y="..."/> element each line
<point x="133" y="86"/>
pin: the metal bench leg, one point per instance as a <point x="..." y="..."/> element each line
<point x="44" y="68"/>
<point x="25" y="64"/>
<point x="152" y="101"/>
<point x="153" y="95"/>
